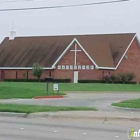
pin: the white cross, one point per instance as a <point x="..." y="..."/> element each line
<point x="75" y="50"/>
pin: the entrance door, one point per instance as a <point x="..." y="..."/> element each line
<point x="75" y="76"/>
<point x="2" y="75"/>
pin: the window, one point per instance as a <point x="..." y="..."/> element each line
<point x="16" y="74"/>
<point x="71" y="67"/>
<point x="50" y="74"/>
<point x="75" y="67"/>
<point x="59" y="67"/>
<point x="63" y="67"/>
<point x="27" y="74"/>
<point x="92" y="67"/>
<point x="87" y="67"/>
<point x="67" y="67"/>
<point x="79" y="67"/>
<point x="83" y="67"/>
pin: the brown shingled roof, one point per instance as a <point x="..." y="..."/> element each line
<point x="106" y="50"/>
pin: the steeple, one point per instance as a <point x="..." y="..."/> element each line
<point x="12" y="32"/>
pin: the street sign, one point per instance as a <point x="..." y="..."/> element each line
<point x="55" y="87"/>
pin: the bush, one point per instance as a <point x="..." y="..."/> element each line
<point x="37" y="70"/>
<point x="102" y="81"/>
<point x="126" y="77"/>
<point x="123" y="77"/>
<point x="107" y="77"/>
<point x="113" y="78"/>
<point x="91" y="81"/>
<point x="62" y="80"/>
<point x="131" y="76"/>
<point x="36" y="80"/>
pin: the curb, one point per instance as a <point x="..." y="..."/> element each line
<point x="57" y="116"/>
<point x="125" y="108"/>
<point x="65" y="116"/>
<point x="48" y="97"/>
<point x="11" y="114"/>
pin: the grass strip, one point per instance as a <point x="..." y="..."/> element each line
<point x="128" y="103"/>
<point x="39" y="108"/>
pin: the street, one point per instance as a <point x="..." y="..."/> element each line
<point x="98" y="100"/>
<point x="14" y="128"/>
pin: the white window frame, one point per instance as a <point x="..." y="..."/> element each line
<point x="67" y="67"/>
<point x="92" y="67"/>
<point x="83" y="67"/>
<point x="79" y="67"/>
<point x="63" y="67"/>
<point x="75" y="67"/>
<point x="71" y="67"/>
<point x="87" y="67"/>
<point x="59" y="67"/>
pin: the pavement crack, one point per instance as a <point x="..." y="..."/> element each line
<point x="105" y="120"/>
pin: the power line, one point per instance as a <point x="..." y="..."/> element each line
<point x="63" y="6"/>
<point x="11" y="1"/>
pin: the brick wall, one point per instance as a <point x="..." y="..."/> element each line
<point x="131" y="64"/>
<point x="13" y="74"/>
<point x="82" y="59"/>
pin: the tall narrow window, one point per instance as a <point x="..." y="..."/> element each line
<point x="16" y="74"/>
<point x="50" y="74"/>
<point x="2" y="75"/>
<point x="27" y="74"/>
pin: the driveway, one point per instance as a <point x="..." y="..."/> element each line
<point x="101" y="101"/>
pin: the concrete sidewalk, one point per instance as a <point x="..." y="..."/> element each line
<point x="98" y="115"/>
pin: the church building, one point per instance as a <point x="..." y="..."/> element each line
<point x="75" y="57"/>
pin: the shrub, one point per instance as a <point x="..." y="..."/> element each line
<point x="126" y="77"/>
<point x="37" y="70"/>
<point x="91" y="81"/>
<point x="36" y="80"/>
<point x="107" y="77"/>
<point x="113" y="78"/>
<point x="24" y="76"/>
<point x="131" y="76"/>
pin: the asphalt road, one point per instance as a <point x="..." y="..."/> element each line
<point x="57" y="129"/>
<point x="101" y="101"/>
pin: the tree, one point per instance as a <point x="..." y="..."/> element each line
<point x="37" y="70"/>
<point x="24" y="76"/>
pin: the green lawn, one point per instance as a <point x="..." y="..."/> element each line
<point x="128" y="103"/>
<point x="30" y="90"/>
<point x="37" y="108"/>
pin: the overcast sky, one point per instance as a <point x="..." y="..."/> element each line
<point x="96" y="19"/>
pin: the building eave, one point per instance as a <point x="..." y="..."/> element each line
<point x="23" y="68"/>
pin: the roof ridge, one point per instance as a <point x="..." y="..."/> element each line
<point x="82" y="34"/>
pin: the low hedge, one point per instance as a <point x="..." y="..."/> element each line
<point x="103" y="81"/>
<point x="36" y="80"/>
<point x="91" y="81"/>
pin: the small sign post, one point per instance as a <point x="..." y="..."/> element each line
<point x="55" y="88"/>
<point x="48" y="79"/>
